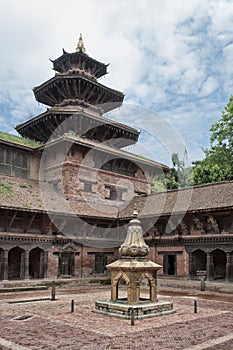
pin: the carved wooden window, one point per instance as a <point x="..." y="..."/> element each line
<point x="14" y="163"/>
<point x="120" y="166"/>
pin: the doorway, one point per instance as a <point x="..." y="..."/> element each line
<point x="169" y="264"/>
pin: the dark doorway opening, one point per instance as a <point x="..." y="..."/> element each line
<point x="199" y="261"/>
<point x="219" y="260"/>
<point x="100" y="262"/>
<point x="16" y="263"/>
<point x="36" y="263"/>
<point x="169" y="264"/>
<point x="66" y="265"/>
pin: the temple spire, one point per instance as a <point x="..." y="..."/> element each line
<point x="80" y="47"/>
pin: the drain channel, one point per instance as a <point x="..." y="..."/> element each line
<point x="23" y="318"/>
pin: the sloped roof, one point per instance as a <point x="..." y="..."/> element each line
<point x="30" y="195"/>
<point x="103" y="147"/>
<point x="18" y="141"/>
<point x="90" y="112"/>
<point x="214" y="196"/>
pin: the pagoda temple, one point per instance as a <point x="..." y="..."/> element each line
<point x="75" y="179"/>
<point x="75" y="94"/>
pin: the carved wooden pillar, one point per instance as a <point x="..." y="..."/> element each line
<point x="1" y="264"/>
<point x="24" y="269"/>
<point x="45" y="264"/>
<point x="191" y="266"/>
<point x="41" y="266"/>
<point x="209" y="267"/>
<point x="72" y="261"/>
<point x="59" y="265"/>
<point x="228" y="267"/>
<point x="5" y="265"/>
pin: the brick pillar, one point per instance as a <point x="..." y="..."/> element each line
<point x="228" y="267"/>
<point x="5" y="265"/>
<point x="209" y="267"/>
<point x="191" y="266"/>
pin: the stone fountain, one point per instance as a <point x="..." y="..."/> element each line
<point x="133" y="268"/>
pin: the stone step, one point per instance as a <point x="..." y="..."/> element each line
<point x="22" y="289"/>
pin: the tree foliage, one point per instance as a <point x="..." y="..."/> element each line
<point x="218" y="162"/>
<point x="178" y="177"/>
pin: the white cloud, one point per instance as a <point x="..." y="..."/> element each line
<point x="209" y="86"/>
<point x="172" y="56"/>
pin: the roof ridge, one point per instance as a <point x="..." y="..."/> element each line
<point x="193" y="187"/>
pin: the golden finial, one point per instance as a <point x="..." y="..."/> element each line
<point x="135" y="212"/>
<point x="80" y="47"/>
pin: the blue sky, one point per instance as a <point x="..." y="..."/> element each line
<point x="172" y="58"/>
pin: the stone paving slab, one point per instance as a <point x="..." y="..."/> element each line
<point x="52" y="325"/>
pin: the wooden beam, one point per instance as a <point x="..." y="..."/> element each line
<point x="87" y="92"/>
<point x="68" y="88"/>
<point x="39" y="131"/>
<point x="6" y="219"/>
<point x="50" y="97"/>
<point x="99" y="98"/>
<point x="84" y="90"/>
<point x="75" y="88"/>
<point x="30" y="222"/>
<point x="12" y="219"/>
<point x="91" y="92"/>
<point x="60" y="90"/>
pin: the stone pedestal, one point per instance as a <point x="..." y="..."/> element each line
<point x="141" y="310"/>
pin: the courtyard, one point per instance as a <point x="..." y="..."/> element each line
<point x="30" y="320"/>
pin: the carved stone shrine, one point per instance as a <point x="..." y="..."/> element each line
<point x="132" y="269"/>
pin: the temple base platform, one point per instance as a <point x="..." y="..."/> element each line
<point x="142" y="310"/>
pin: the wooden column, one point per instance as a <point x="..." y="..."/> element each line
<point x="41" y="267"/>
<point x="45" y="264"/>
<point x="24" y="271"/>
<point x="5" y="265"/>
<point x="228" y="267"/>
<point x="191" y="266"/>
<point x="209" y="267"/>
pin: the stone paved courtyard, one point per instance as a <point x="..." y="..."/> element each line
<point x="50" y="325"/>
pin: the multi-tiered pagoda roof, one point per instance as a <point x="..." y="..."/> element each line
<point x="74" y="94"/>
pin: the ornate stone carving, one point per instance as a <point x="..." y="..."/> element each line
<point x="184" y="229"/>
<point x="213" y="224"/>
<point x="134" y="244"/>
<point x="69" y="247"/>
<point x="198" y="225"/>
<point x="133" y="267"/>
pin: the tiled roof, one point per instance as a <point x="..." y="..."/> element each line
<point x="198" y="198"/>
<point x="69" y="110"/>
<point x="17" y="193"/>
<point x="103" y="147"/>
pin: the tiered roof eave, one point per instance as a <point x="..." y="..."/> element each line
<point x="60" y="62"/>
<point x="53" y="91"/>
<point x="38" y="124"/>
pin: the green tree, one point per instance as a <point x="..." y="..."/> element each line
<point x="178" y="177"/>
<point x="218" y="162"/>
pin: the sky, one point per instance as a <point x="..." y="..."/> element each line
<point x="172" y="59"/>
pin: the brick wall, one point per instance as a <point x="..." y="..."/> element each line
<point x="52" y="264"/>
<point x="182" y="259"/>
